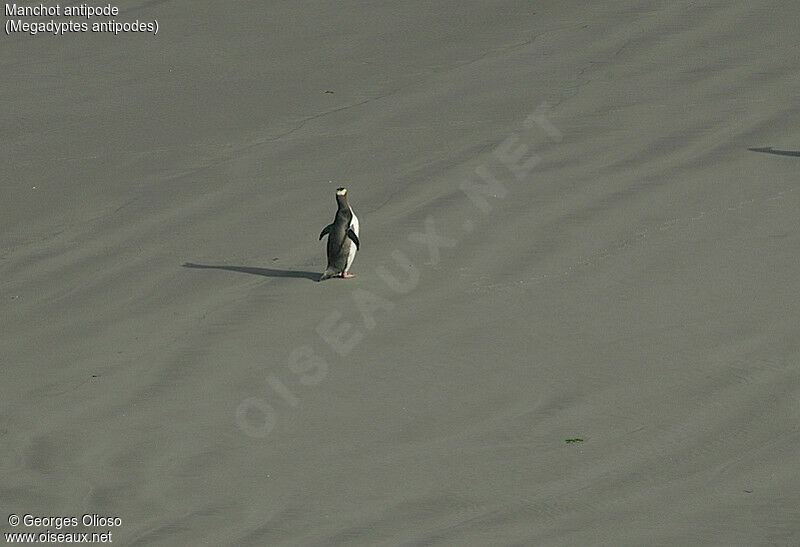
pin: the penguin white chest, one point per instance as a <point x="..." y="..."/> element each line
<point x="351" y="253"/>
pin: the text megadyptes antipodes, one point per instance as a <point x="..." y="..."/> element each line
<point x="342" y="239"/>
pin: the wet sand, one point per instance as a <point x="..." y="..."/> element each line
<point x="578" y="223"/>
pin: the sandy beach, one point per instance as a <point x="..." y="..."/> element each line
<point x="574" y="319"/>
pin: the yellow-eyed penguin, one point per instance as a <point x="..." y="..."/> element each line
<point x="342" y="239"/>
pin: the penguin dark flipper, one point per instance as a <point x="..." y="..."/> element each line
<point x="352" y="235"/>
<point x="325" y="230"/>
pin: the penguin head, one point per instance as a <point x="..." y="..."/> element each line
<point x="341" y="199"/>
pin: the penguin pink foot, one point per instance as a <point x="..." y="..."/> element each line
<point x="348" y="275"/>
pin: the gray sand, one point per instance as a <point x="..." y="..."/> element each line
<point x="630" y="280"/>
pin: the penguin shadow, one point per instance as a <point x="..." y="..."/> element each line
<point x="770" y="150"/>
<point x="266" y="272"/>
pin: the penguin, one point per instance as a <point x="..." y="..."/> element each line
<point x="342" y="239"/>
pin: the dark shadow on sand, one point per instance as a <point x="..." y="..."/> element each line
<point x="770" y="150"/>
<point x="266" y="272"/>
